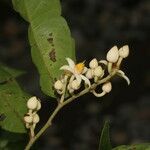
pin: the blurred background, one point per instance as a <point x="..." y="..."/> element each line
<point x="96" y="26"/>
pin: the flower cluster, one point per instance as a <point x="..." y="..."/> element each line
<point x="76" y="74"/>
<point x="32" y="118"/>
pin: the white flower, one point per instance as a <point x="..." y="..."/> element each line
<point x="32" y="103"/>
<point x="58" y="85"/>
<point x="28" y="125"/>
<point x="98" y="71"/>
<point x="77" y="70"/>
<point x="38" y="105"/>
<point x="95" y="70"/>
<point x="28" y="118"/>
<point x="36" y="118"/>
<point x="93" y="63"/>
<point x="75" y="85"/>
<point x="124" y="51"/>
<point x="112" y="55"/>
<point x="107" y="87"/>
<point x="103" y="62"/>
<point x="89" y="74"/>
<point x="122" y="74"/>
<point x="70" y="89"/>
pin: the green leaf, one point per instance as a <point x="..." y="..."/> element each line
<point x="12" y="105"/>
<point x="105" y="139"/>
<point x="6" y="73"/>
<point x="143" y="146"/>
<point x="49" y="37"/>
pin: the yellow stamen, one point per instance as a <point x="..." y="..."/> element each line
<point x="79" y="67"/>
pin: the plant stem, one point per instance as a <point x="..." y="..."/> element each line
<point x="48" y="124"/>
<point x="61" y="105"/>
<point x="93" y="86"/>
<point x="64" y="90"/>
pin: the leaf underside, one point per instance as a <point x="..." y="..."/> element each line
<point x="49" y="37"/>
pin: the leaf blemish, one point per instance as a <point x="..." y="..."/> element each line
<point x="2" y="117"/>
<point x="52" y="55"/>
<point x="3" y="82"/>
<point x="50" y="34"/>
<point x="26" y="115"/>
<point x="50" y="40"/>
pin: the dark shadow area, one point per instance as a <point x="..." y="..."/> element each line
<point x="16" y="141"/>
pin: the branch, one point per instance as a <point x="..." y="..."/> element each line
<point x="63" y="103"/>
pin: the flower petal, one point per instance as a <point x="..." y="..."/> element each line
<point x="59" y="92"/>
<point x="126" y="78"/>
<point x="103" y="62"/>
<point x="87" y="81"/>
<point x="70" y="89"/>
<point x="122" y="74"/>
<point x="68" y="68"/>
<point x="72" y="78"/>
<point x="84" y="70"/>
<point x="78" y="78"/>
<point x="98" y="94"/>
<point x="70" y="62"/>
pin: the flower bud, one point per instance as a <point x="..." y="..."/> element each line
<point x="38" y="105"/>
<point x="89" y="74"/>
<point x="124" y="51"/>
<point x="28" y="119"/>
<point x="93" y="63"/>
<point x="98" y="71"/>
<point x="58" y="85"/>
<point x="85" y="70"/>
<point x="32" y="103"/>
<point x="36" y="118"/>
<point x="112" y="55"/>
<point x="70" y="89"/>
<point x="107" y="87"/>
<point x="28" y="125"/>
<point x="75" y="85"/>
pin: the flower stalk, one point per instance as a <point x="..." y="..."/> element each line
<point x="75" y="75"/>
<point x="61" y="105"/>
